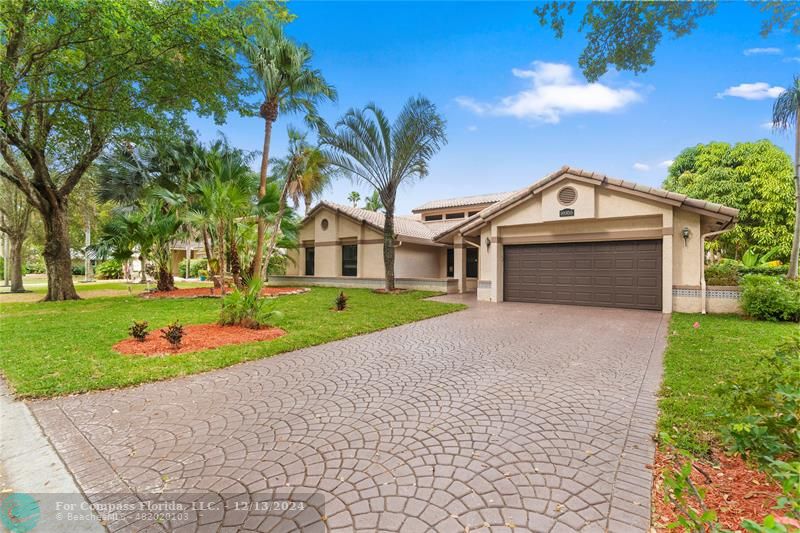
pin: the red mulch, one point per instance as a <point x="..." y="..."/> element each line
<point x="737" y="491"/>
<point x="196" y="338"/>
<point x="210" y="292"/>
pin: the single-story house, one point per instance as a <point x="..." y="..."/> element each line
<point x="573" y="237"/>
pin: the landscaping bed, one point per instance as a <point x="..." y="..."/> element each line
<point x="197" y="337"/>
<point x="211" y="292"/>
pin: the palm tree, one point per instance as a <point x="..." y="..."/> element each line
<point x="785" y="114"/>
<point x="305" y="171"/>
<point x="288" y="83"/>
<point x="366" y="146"/>
<point x="373" y="202"/>
<point x="353" y="198"/>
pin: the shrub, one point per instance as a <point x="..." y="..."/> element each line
<point x="173" y="333"/>
<point x="111" y="269"/>
<point x="725" y="272"/>
<point x="195" y="266"/>
<point x="35" y="265"/>
<point x="770" y="397"/>
<point x="246" y="307"/>
<point x="341" y="301"/>
<point x="138" y="330"/>
<point x="79" y="270"/>
<point x="767" y="270"/>
<point x="771" y="298"/>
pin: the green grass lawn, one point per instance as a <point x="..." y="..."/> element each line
<point x="723" y="348"/>
<point x="103" y="285"/>
<point x="66" y="347"/>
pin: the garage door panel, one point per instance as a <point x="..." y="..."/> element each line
<point x="614" y="274"/>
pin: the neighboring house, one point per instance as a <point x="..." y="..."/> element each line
<point x="573" y="237"/>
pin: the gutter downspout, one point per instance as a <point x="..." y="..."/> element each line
<point x="703" y="238"/>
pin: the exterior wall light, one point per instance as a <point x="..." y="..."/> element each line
<point x="685" y="235"/>
<point x="488" y="242"/>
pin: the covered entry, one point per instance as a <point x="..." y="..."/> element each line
<point x="607" y="274"/>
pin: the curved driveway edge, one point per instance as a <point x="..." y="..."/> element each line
<point x="512" y="416"/>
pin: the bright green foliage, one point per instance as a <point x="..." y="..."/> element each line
<point x="196" y="265"/>
<point x="771" y="297"/>
<point x="756" y="178"/>
<point x="730" y="272"/>
<point x="723" y="349"/>
<point x="110" y="269"/>
<point x="373" y="202"/>
<point x="769" y="399"/>
<point x="67" y="346"/>
<point x="625" y="35"/>
<point x="247" y="307"/>
<point x="753" y="259"/>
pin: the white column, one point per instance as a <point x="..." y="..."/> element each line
<point x="460" y="265"/>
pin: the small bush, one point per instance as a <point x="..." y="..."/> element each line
<point x="173" y="333"/>
<point x="138" y="330"/>
<point x="770" y="397"/>
<point x="771" y="297"/>
<point x="195" y="266"/>
<point x="35" y="265"/>
<point x="341" y="301"/>
<point x="725" y="272"/>
<point x="79" y="270"/>
<point x="246" y="307"/>
<point x="111" y="269"/>
<point x="766" y="270"/>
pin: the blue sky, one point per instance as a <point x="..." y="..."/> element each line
<point x="516" y="105"/>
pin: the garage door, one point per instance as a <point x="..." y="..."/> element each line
<point x="607" y="274"/>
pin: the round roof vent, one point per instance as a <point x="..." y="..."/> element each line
<point x="324" y="224"/>
<point x="567" y="196"/>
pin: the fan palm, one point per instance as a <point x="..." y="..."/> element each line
<point x="367" y="147"/>
<point x="288" y="84"/>
<point x="785" y="115"/>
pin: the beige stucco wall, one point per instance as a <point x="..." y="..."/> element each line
<point x="413" y="260"/>
<point x="687" y="258"/>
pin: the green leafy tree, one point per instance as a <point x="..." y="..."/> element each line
<point x="373" y="202"/>
<point x="625" y="35"/>
<point x="785" y="115"/>
<point x="755" y="178"/>
<point x="75" y="75"/>
<point x="15" y="218"/>
<point x="367" y="147"/>
<point x="282" y="70"/>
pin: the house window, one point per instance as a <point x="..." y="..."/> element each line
<point x="433" y="217"/>
<point x="450" y="216"/>
<point x="309" y="261"/>
<point x="350" y="260"/>
<point x="451" y="269"/>
<point x="472" y="262"/>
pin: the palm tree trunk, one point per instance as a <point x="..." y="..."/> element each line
<point x="796" y="239"/>
<point x="262" y="190"/>
<point x="221" y="238"/>
<point x="273" y="239"/>
<point x="388" y="246"/>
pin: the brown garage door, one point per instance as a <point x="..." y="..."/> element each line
<point x="607" y="274"/>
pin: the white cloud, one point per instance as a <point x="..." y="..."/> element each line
<point x="641" y="167"/>
<point x="794" y="59"/>
<point x="554" y="92"/>
<point x="666" y="164"/>
<point x="752" y="91"/>
<point x="762" y="51"/>
<point x="472" y="127"/>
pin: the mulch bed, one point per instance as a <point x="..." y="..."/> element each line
<point x="737" y="491"/>
<point x="209" y="292"/>
<point x="195" y="338"/>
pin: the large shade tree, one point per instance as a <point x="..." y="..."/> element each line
<point x="366" y="146"/>
<point x="282" y="70"/>
<point x="74" y="75"/>
<point x="15" y="218"/>
<point x="755" y="178"/>
<point x="785" y="115"/>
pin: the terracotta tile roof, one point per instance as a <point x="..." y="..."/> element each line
<point x="462" y="201"/>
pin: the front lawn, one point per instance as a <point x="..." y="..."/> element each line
<point x="697" y="360"/>
<point x="65" y="347"/>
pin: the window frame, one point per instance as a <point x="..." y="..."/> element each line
<point x="350" y="271"/>
<point x="472" y="262"/>
<point x="310" y="250"/>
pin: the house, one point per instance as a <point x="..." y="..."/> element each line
<point x="573" y="237"/>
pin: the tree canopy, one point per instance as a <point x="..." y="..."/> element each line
<point x="755" y="177"/>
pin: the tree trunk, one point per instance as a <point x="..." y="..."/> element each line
<point x="269" y="117"/>
<point x="15" y="262"/>
<point x="388" y="246"/>
<point x="793" y="259"/>
<point x="236" y="267"/>
<point x="221" y="237"/>
<point x="57" y="255"/>
<point x="276" y="227"/>
<point x="166" y="281"/>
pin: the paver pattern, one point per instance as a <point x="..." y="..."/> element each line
<point x="512" y="417"/>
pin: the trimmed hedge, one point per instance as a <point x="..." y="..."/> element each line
<point x="771" y="297"/>
<point x="730" y="273"/>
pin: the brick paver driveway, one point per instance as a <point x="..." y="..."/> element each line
<point x="513" y="416"/>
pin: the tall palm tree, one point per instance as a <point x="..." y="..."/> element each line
<point x="373" y="202"/>
<point x="305" y="171"/>
<point x="353" y="198"/>
<point x="366" y="146"/>
<point x="785" y="115"/>
<point x="288" y="84"/>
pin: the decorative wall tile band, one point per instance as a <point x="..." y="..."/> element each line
<point x="726" y="294"/>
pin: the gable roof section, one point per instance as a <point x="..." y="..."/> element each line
<point x="405" y="227"/>
<point x="463" y="201"/>
<point x="651" y="193"/>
